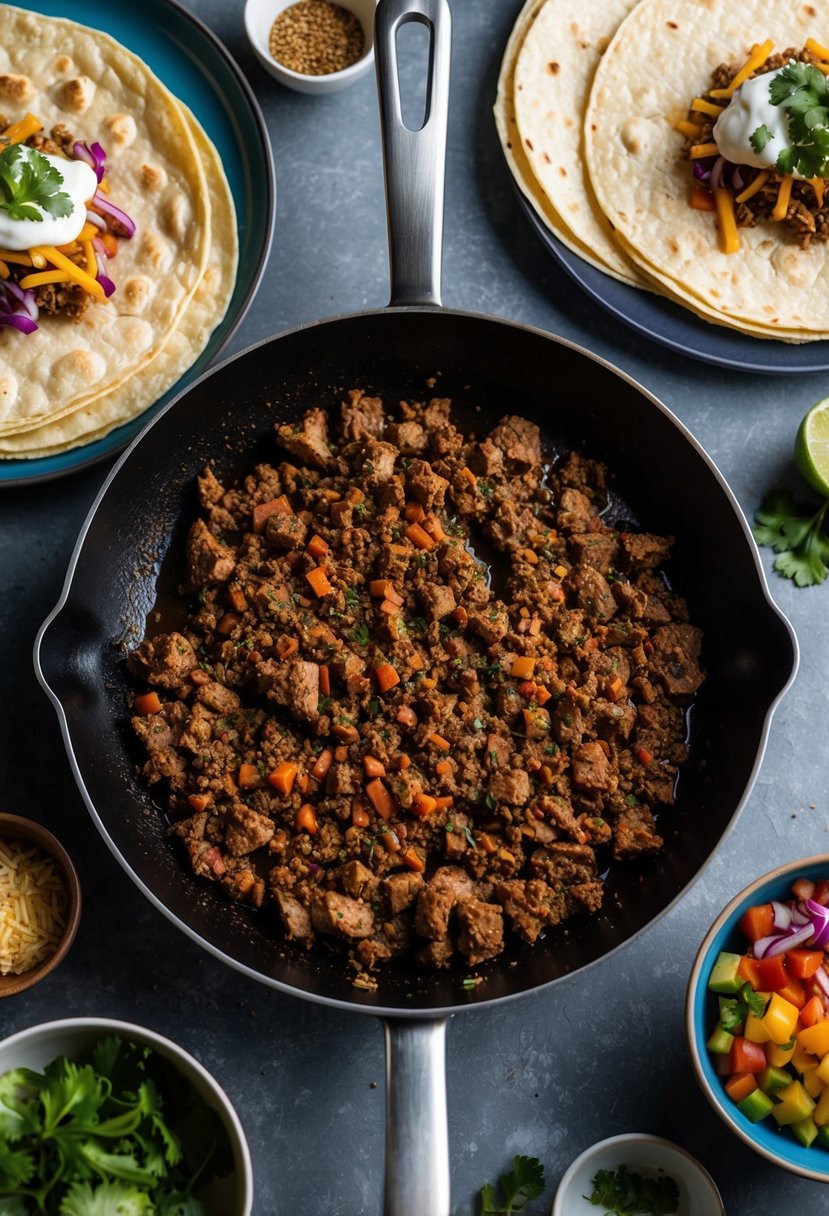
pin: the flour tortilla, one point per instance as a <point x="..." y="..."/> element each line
<point x="661" y="57"/>
<point x="64" y="72"/>
<point x="208" y="305"/>
<point x="554" y="70"/>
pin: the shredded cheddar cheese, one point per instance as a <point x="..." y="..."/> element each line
<point x="783" y="196"/>
<point x="729" y="237"/>
<point x="758" y="183"/>
<point x="818" y="184"/>
<point x="28" y="125"/>
<point x="698" y="151"/>
<point x="759" y="55"/>
<point x="33" y="907"/>
<point x="56" y="258"/>
<point x="44" y="276"/>
<point x="706" y="107"/>
<point x="822" y="52"/>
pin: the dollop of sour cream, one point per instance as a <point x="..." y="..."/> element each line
<point x="750" y="108"/>
<point x="80" y="183"/>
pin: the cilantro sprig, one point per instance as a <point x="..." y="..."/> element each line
<point x="523" y="1183"/>
<point x="796" y="535"/>
<point x="27" y="178"/>
<point x="733" y="1010"/>
<point x="95" y="1138"/>
<point x="622" y="1192"/>
<point x="803" y="93"/>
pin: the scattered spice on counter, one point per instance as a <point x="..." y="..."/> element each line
<point x="316" y="38"/>
<point x="33" y="906"/>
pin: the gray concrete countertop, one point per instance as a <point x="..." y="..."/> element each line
<point x="601" y="1054"/>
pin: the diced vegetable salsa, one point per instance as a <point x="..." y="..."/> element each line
<point x="771" y="1039"/>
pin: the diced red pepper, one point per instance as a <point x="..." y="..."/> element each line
<point x="771" y="973"/>
<point x="747" y="968"/>
<point x="793" y="992"/>
<point x="757" y="922"/>
<point x="746" y="1056"/>
<point x="803" y="964"/>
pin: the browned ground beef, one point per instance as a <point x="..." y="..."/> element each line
<point x="807" y="215"/>
<point x="402" y="758"/>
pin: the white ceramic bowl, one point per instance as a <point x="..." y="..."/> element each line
<point x="37" y="1046"/>
<point x="260" y="16"/>
<point x="642" y="1154"/>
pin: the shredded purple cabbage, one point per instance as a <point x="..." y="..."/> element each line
<point x="118" y="220"/>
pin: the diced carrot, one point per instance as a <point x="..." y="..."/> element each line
<point x="414" y="513"/>
<point x="386" y="677"/>
<point x="419" y="537"/>
<point x="423" y="804"/>
<point x="413" y="860"/>
<point x="406" y="716"/>
<point x="391" y="841"/>
<point x="702" y="199"/>
<point x="227" y="624"/>
<point x="317" y="547"/>
<point x="443" y="768"/>
<point x="613" y="690"/>
<point x="740" y="1086"/>
<point x="403" y="761"/>
<point x="527" y="688"/>
<point x="237" y="598"/>
<point x="747" y="969"/>
<point x="429" y="682"/>
<point x="303" y="782"/>
<point x="469" y="476"/>
<point x="444" y="801"/>
<point x="803" y="964"/>
<point x="527" y="555"/>
<point x="323" y="763"/>
<point x="433" y="526"/>
<point x="440" y="742"/>
<point x="285" y="647"/>
<point x="306" y="819"/>
<point x="147" y="703"/>
<point x="487" y="843"/>
<point x="389" y="608"/>
<point x="757" y="922"/>
<point x="380" y="798"/>
<point x="643" y="755"/>
<point x="542" y="695"/>
<point x="522" y="667"/>
<point x="812" y="1012"/>
<point x="248" y="776"/>
<point x="460" y="617"/>
<point x="359" y="814"/>
<point x="415" y="660"/>
<point x="319" y="582"/>
<point x="383" y="589"/>
<point x="354" y="496"/>
<point x="277" y="506"/>
<point x="325" y="680"/>
<point x="373" y="767"/>
<point x="340" y="754"/>
<point x="283" y="776"/>
<point x="199" y="802"/>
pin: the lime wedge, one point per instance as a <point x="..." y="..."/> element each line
<point x="811" y="447"/>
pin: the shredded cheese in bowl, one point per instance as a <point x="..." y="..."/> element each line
<point x="33" y="906"/>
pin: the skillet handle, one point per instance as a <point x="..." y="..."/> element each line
<point x="414" y="161"/>
<point x="417" y="1137"/>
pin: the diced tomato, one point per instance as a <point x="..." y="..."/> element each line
<point x="821" y="895"/>
<point x="803" y="964"/>
<point x="793" y="992"/>
<point x="812" y="1012"/>
<point x="757" y="922"/>
<point x="772" y="975"/>
<point x="746" y="1056"/>
<point x="747" y="969"/>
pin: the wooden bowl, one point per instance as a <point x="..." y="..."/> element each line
<point x="14" y="827"/>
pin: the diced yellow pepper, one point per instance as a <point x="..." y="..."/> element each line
<point x="821" y="1115"/>
<point x="802" y="1059"/>
<point x="755" y="1030"/>
<point x="794" y="1105"/>
<point x="780" y="1019"/>
<point x="779" y="1056"/>
<point x="815" y="1038"/>
<point x="812" y="1083"/>
<point x="823" y="1070"/>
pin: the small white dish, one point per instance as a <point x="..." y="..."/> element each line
<point x="642" y="1154"/>
<point x="36" y="1046"/>
<point x="260" y="16"/>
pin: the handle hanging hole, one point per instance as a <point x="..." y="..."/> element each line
<point x="413" y="50"/>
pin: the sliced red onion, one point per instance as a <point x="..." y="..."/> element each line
<point x="702" y="168"/>
<point x="107" y="284"/>
<point x="819" y="916"/>
<point x="717" y="172"/>
<point x="120" y="221"/>
<point x="97" y="220"/>
<point x="100" y="158"/>
<point x="782" y="915"/>
<point x="799" y="917"/>
<point x="737" y="181"/>
<point x="19" y="321"/>
<point x="778" y="943"/>
<point x="24" y="297"/>
<point x="94" y="157"/>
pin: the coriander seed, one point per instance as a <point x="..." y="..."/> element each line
<point x="316" y="38"/>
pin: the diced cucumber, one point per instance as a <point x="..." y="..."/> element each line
<point x="728" y="1006"/>
<point x="756" y="1106"/>
<point x="823" y="1136"/>
<point x="805" y="1131"/>
<point x="772" y="1079"/>
<point x="724" y="977"/>
<point x="720" y="1042"/>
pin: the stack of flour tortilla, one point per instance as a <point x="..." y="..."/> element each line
<point x="588" y="100"/>
<point x="73" y="381"/>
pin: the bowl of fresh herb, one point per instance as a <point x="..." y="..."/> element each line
<point x="636" y="1174"/>
<point x="98" y="1115"/>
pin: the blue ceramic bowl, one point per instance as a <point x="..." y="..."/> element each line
<point x="778" y="1146"/>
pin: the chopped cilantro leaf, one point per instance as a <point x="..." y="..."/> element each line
<point x="759" y="138"/>
<point x="796" y="536"/>
<point x="624" y="1193"/>
<point x="28" y="181"/>
<point x="523" y="1183"/>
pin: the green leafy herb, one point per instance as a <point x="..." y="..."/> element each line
<point x="523" y="1183"/>
<point x="361" y="635"/>
<point x="733" y="1010"/>
<point x="351" y="596"/>
<point x="802" y="91"/>
<point x="796" y="536"/>
<point x="477" y="724"/>
<point x="623" y="1193"/>
<point x="759" y="138"/>
<point x="28" y="181"/>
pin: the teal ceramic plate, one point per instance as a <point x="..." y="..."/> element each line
<point x="196" y="67"/>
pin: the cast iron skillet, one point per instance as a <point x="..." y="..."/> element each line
<point x="141" y="517"/>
